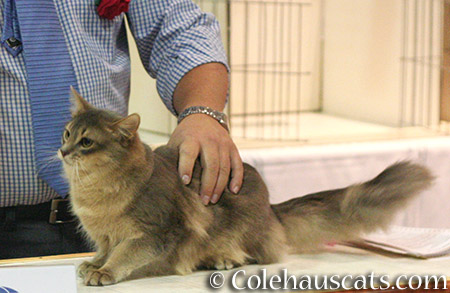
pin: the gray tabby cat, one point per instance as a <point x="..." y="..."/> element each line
<point x="145" y="221"/>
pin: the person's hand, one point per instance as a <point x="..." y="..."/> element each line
<point x="199" y="134"/>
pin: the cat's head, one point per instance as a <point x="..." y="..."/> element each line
<point x="96" y="138"/>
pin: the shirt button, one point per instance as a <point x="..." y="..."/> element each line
<point x="13" y="42"/>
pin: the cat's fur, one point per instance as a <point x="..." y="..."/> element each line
<point x="145" y="221"/>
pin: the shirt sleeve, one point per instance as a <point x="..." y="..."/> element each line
<point x="173" y="37"/>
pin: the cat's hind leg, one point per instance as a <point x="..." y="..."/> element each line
<point x="271" y="246"/>
<point x="226" y="255"/>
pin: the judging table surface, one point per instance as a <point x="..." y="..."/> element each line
<point x="338" y="260"/>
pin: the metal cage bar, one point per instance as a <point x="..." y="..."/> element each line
<point x="267" y="41"/>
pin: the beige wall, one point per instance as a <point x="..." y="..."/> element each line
<point x="364" y="50"/>
<point x="445" y="85"/>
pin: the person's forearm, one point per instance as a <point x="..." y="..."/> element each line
<point x="205" y="85"/>
<point x="200" y="136"/>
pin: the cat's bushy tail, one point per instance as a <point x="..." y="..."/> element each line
<point x="343" y="214"/>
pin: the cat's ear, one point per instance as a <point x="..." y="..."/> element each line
<point x="79" y="104"/>
<point x="128" y="126"/>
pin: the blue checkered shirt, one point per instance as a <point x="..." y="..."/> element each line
<point x="173" y="37"/>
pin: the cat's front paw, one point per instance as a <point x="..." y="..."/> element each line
<point x="99" y="277"/>
<point x="224" y="265"/>
<point x="85" y="267"/>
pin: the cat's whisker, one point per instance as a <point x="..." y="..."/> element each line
<point x="78" y="174"/>
<point x="113" y="165"/>
<point x="50" y="150"/>
<point x="77" y="164"/>
<point x="51" y="159"/>
<point x="72" y="172"/>
<point x="50" y="154"/>
<point x="54" y="158"/>
<point x="45" y="166"/>
<point x="86" y="173"/>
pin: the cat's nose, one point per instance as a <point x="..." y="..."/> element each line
<point x="64" y="152"/>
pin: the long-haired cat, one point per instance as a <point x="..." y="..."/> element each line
<point x="145" y="221"/>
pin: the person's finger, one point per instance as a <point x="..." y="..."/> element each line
<point x="210" y="170"/>
<point x="237" y="171"/>
<point x="224" y="175"/>
<point x="189" y="151"/>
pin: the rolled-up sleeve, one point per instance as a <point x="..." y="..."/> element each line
<point x="173" y="37"/>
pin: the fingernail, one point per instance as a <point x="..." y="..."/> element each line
<point x="205" y="200"/>
<point x="235" y="189"/>
<point x="215" y="198"/>
<point x="185" y="179"/>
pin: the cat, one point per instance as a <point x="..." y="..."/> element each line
<point x="145" y="222"/>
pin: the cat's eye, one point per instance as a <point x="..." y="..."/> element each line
<point x="86" y="142"/>
<point x="66" y="134"/>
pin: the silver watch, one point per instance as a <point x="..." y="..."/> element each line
<point x="219" y="116"/>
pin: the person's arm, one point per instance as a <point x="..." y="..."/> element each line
<point x="181" y="47"/>
<point x="200" y="134"/>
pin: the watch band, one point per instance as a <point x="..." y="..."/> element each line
<point x="219" y="116"/>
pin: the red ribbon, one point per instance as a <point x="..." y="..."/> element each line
<point x="111" y="8"/>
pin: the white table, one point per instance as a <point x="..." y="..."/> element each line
<point x="337" y="260"/>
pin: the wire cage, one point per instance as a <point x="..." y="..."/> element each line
<point x="421" y="62"/>
<point x="296" y="63"/>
